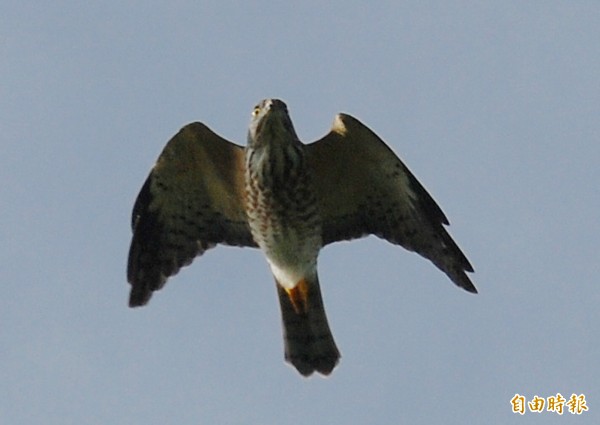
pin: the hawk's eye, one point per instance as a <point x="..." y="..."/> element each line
<point x="255" y="111"/>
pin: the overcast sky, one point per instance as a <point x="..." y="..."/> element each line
<point x="494" y="106"/>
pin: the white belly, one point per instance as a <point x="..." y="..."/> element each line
<point x="291" y="256"/>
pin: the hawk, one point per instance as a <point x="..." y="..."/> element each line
<point x="288" y="199"/>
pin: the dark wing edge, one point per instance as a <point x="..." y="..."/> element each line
<point x="191" y="201"/>
<point x="364" y="188"/>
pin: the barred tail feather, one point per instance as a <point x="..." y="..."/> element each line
<point x="309" y="344"/>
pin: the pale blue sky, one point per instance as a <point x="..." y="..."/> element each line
<point x="494" y="106"/>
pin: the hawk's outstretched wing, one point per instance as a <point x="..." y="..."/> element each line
<point x="192" y="200"/>
<point x="364" y="188"/>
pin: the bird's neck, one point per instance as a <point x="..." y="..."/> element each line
<point x="276" y="163"/>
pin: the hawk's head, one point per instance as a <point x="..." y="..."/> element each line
<point x="270" y="124"/>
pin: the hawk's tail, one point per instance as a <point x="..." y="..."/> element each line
<point x="309" y="345"/>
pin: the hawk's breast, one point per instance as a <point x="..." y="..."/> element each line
<point x="282" y="210"/>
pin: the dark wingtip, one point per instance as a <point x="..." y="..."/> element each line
<point x="139" y="296"/>
<point x="465" y="283"/>
<point x="471" y="289"/>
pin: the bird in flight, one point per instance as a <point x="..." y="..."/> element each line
<point x="288" y="199"/>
